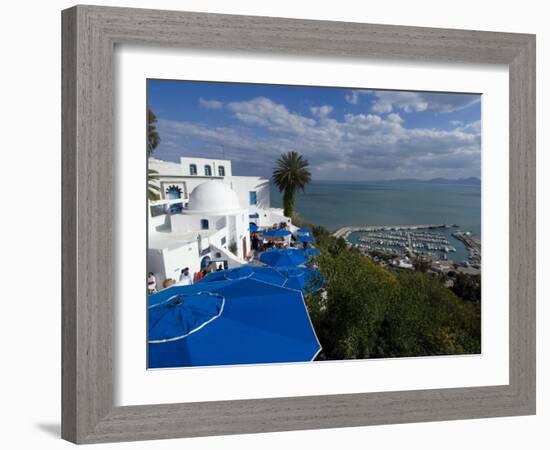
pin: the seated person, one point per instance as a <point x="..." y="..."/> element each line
<point x="185" y="278"/>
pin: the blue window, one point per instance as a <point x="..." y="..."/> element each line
<point x="192" y="169"/>
<point x="224" y="240"/>
<point x="253" y="200"/>
<point x="208" y="171"/>
<point x="221" y="171"/>
<point x="173" y="193"/>
<point x="204" y="224"/>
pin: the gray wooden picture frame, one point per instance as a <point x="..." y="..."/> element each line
<point x="90" y="34"/>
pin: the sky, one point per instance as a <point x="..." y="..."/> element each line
<point x="345" y="134"/>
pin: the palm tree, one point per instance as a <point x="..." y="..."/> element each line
<point x="291" y="174"/>
<point x="153" y="187"/>
<point x="153" y="140"/>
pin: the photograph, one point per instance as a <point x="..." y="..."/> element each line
<point x="306" y="224"/>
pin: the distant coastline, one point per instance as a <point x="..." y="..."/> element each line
<point x="468" y="181"/>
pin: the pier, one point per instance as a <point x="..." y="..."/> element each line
<point x="473" y="244"/>
<point x="469" y="240"/>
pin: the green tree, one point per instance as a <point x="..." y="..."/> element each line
<point x="467" y="287"/>
<point x="291" y="174"/>
<point x="427" y="319"/>
<point x="153" y="137"/>
<point x="153" y="187"/>
<point x="348" y="315"/>
<point x="421" y="264"/>
<point x="153" y="140"/>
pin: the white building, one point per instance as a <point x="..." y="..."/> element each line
<point x="204" y="213"/>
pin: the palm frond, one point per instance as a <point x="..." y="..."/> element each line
<point x="153" y="137"/>
<point x="153" y="186"/>
<point x="290" y="174"/>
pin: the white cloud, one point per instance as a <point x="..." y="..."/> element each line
<point x="210" y="104"/>
<point x="321" y="111"/>
<point x="387" y="101"/>
<point x="263" y="112"/>
<point x="474" y="127"/>
<point x="353" y="97"/>
<point x="408" y="101"/>
<point x="394" y="117"/>
<point x="382" y="107"/>
<point x="358" y="146"/>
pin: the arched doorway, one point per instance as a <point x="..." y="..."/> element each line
<point x="205" y="261"/>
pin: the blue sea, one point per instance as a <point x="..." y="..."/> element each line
<point x="334" y="205"/>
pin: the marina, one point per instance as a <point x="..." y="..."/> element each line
<point x="443" y="245"/>
<point x="407" y="242"/>
<point x="344" y="232"/>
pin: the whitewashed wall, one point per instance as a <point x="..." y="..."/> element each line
<point x="164" y="167"/>
<point x="243" y="185"/>
<point x="178" y="258"/>
<point x="182" y="223"/>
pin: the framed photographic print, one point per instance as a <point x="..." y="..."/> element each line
<point x="276" y="224"/>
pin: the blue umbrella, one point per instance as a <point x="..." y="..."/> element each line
<point x="302" y="278"/>
<point x="305" y="239"/>
<point x="183" y="314"/>
<point x="283" y="257"/>
<point x="303" y="231"/>
<point x="254" y="228"/>
<point x="259" y="323"/>
<point x="265" y="274"/>
<point x="277" y="233"/>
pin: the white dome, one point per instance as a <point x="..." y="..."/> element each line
<point x="212" y="197"/>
